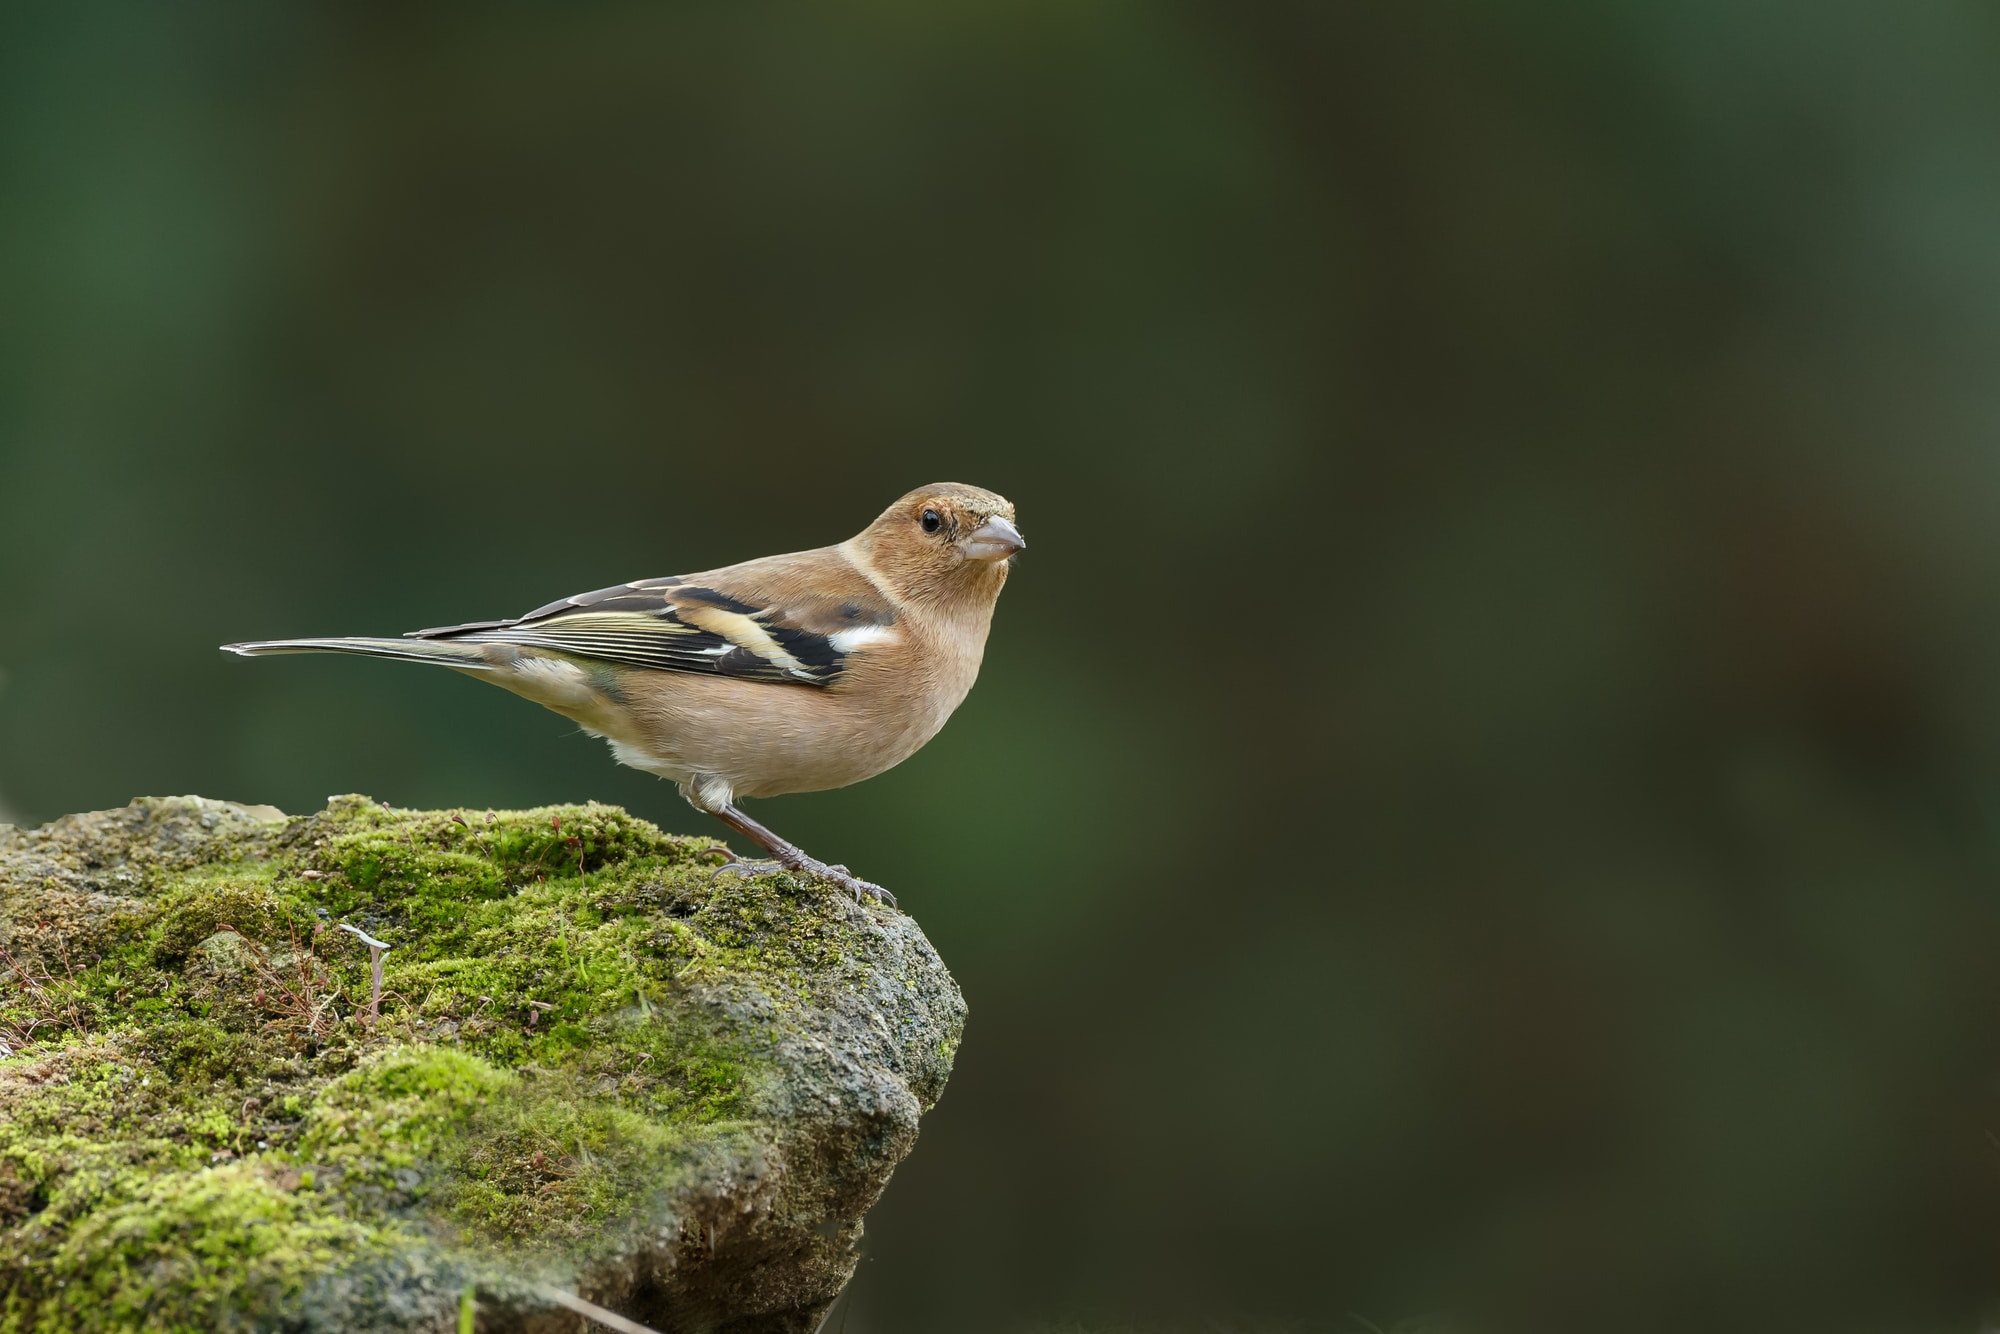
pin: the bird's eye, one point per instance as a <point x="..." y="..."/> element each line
<point x="931" y="521"/>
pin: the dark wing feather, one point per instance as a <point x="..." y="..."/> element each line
<point x="682" y="625"/>
<point x="639" y="595"/>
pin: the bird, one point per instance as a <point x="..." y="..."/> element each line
<point x="791" y="673"/>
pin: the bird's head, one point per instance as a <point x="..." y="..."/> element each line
<point x="946" y="542"/>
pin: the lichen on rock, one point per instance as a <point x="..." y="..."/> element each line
<point x="596" y="1068"/>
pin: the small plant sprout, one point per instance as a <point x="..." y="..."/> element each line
<point x="376" y="949"/>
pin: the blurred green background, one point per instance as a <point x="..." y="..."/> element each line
<point x="1484" y="795"/>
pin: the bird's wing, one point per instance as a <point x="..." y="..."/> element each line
<point x="774" y="620"/>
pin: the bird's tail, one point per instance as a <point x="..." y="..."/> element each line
<point x="439" y="652"/>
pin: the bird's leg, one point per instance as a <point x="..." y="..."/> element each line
<point x="791" y="856"/>
<point x="711" y="794"/>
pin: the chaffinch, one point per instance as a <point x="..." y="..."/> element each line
<point x="787" y="674"/>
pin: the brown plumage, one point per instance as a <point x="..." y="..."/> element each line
<point x="791" y="673"/>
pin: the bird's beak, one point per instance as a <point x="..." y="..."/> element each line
<point x="996" y="539"/>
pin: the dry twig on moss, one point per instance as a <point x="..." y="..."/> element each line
<point x="301" y="992"/>
<point x="51" y="999"/>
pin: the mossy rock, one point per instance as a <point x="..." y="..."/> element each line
<point x="595" y="1069"/>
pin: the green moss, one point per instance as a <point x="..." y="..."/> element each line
<point x="212" y="1248"/>
<point x="399" y="1109"/>
<point x="551" y="1170"/>
<point x="199" y="1118"/>
<point x="197" y="905"/>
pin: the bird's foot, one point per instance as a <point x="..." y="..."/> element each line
<point x="732" y="862"/>
<point x="800" y="862"/>
<point x="845" y="878"/>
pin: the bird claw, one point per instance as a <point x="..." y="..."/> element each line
<point x="858" y="887"/>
